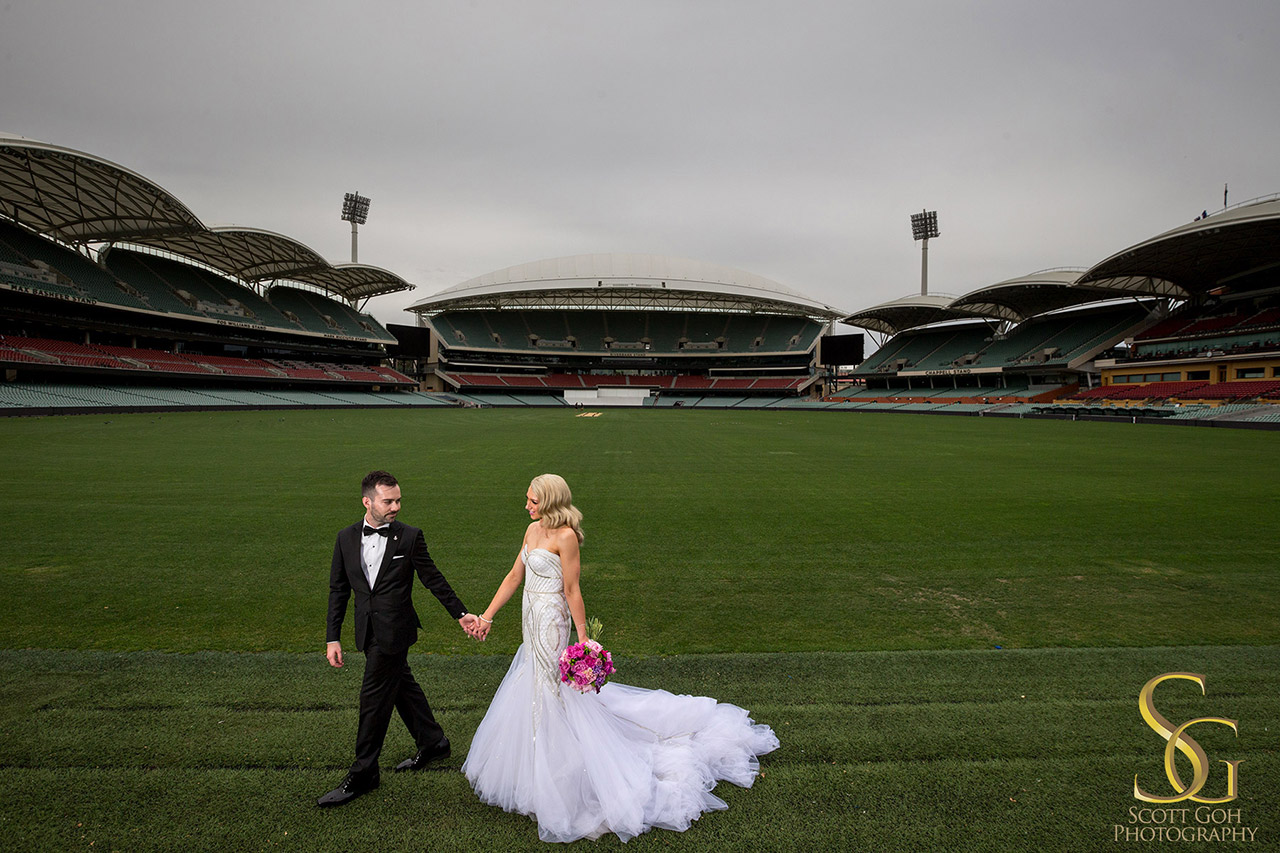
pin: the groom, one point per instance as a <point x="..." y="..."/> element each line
<point x="376" y="559"/>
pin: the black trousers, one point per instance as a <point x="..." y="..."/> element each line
<point x="388" y="684"/>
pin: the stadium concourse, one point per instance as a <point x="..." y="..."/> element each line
<point x="114" y="296"/>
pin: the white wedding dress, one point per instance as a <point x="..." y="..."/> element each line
<point x="585" y="764"/>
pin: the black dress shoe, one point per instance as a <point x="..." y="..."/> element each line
<point x="425" y="756"/>
<point x="350" y="788"/>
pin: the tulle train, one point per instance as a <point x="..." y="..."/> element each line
<point x="621" y="761"/>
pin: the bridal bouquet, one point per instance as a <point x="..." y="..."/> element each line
<point x="587" y="665"/>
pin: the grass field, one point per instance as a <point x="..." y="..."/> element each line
<point x="947" y="620"/>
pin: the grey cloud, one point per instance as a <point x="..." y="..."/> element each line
<point x="789" y="139"/>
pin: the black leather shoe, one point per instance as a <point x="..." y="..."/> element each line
<point x="347" y="791"/>
<point x="425" y="756"/>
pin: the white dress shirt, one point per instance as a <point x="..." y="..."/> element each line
<point x="372" y="549"/>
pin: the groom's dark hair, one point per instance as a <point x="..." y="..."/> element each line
<point x="371" y="481"/>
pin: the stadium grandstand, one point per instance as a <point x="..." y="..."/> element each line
<point x="109" y="282"/>
<point x="114" y="296"/>
<point x="1219" y="343"/>
<point x="1184" y="326"/>
<point x="622" y="329"/>
<point x="1030" y="338"/>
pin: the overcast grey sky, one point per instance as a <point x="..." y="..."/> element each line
<point x="791" y="139"/>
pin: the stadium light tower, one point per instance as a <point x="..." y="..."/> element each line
<point x="355" y="209"/>
<point x="923" y="226"/>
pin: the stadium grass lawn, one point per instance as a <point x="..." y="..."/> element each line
<point x="947" y="620"/>
<point x="894" y="751"/>
<point x="707" y="531"/>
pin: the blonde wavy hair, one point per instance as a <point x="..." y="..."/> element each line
<point x="555" y="504"/>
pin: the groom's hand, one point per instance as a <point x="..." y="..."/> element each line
<point x="469" y="623"/>
<point x="333" y="651"/>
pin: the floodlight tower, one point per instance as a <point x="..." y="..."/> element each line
<point x="355" y="209"/>
<point x="923" y="226"/>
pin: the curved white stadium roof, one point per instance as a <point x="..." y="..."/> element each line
<point x="1021" y="298"/>
<point x="1218" y="250"/>
<point x="82" y="198"/>
<point x="75" y="196"/>
<point x="624" y="280"/>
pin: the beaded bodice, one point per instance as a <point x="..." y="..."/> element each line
<point x="544" y="620"/>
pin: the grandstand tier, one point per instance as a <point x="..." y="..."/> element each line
<point x="549" y="352"/>
<point x="603" y="332"/>
<point x="65" y="315"/>
<point x="50" y="355"/>
<point x="148" y="284"/>
<point x="1063" y="340"/>
<point x="1224" y="347"/>
<point x="467" y="381"/>
<point x="1261" y="390"/>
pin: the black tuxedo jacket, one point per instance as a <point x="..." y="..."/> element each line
<point x="385" y="613"/>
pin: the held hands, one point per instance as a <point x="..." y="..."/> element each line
<point x="470" y="624"/>
<point x="478" y="626"/>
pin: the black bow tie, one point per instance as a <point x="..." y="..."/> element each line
<point x="381" y="531"/>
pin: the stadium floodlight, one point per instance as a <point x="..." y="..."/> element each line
<point x="355" y="209"/>
<point x="923" y="226"/>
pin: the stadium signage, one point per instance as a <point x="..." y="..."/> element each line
<point x="257" y="326"/>
<point x="950" y="371"/>
<point x="1164" y="820"/>
<point x="65" y="297"/>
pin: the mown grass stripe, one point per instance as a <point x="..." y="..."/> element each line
<point x="940" y="768"/>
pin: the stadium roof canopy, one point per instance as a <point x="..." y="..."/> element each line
<point x="1014" y="300"/>
<point x="909" y="312"/>
<point x="76" y="197"/>
<point x="255" y="255"/>
<point x="247" y="253"/>
<point x="625" y="281"/>
<point x="1019" y="299"/>
<point x="354" y="281"/>
<point x="1221" y="250"/>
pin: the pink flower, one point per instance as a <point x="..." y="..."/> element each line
<point x="586" y="666"/>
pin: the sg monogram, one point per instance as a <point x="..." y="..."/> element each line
<point x="1178" y="739"/>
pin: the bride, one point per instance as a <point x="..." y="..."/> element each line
<point x="584" y="764"/>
